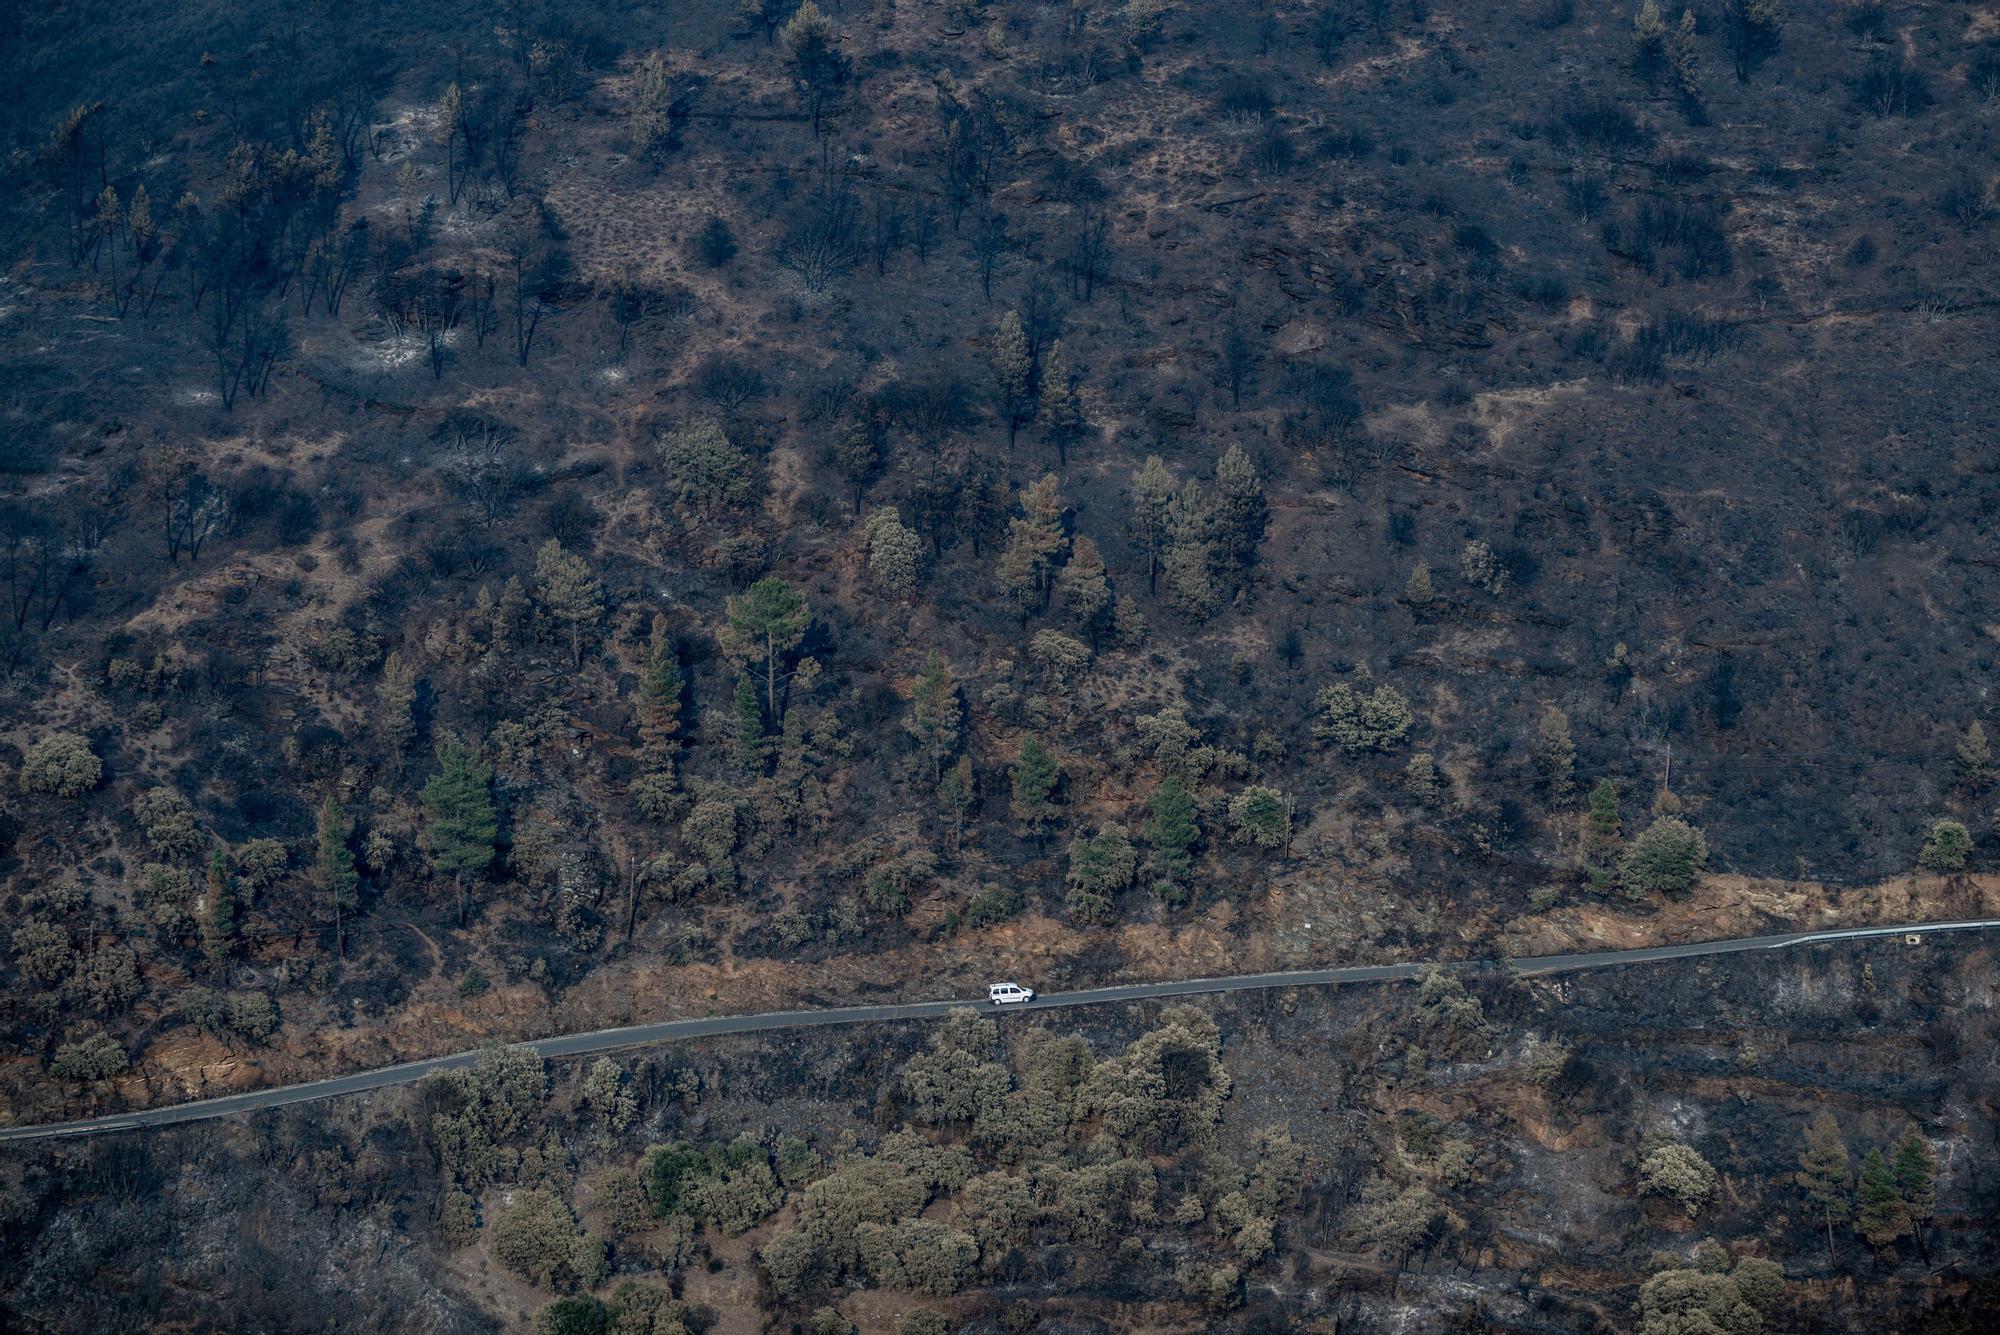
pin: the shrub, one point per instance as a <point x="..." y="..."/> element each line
<point x="536" y="1236"/>
<point x="1372" y="721"/>
<point x="993" y="903"/>
<point x="1245" y="97"/>
<point x="1599" y="124"/>
<point x="43" y="951"/>
<point x="261" y="863"/>
<point x="1260" y="816"/>
<point x="572" y="1316"/>
<point x="714" y="245"/>
<point x="1946" y="847"/>
<point x="168" y="821"/>
<point x="98" y="1057"/>
<point x="61" y="765"/>
<point x="1675" y="1171"/>
<point x="1890" y="87"/>
<point x="704" y="469"/>
<point x="1666" y="859"/>
<point x="1102" y="863"/>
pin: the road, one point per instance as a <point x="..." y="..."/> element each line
<point x="610" y="1040"/>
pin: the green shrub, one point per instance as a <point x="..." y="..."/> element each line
<point x="1667" y="859"/>
<point x="1261" y="816"/>
<point x="61" y="765"/>
<point x="993" y="903"/>
<point x="1361" y="719"/>
<point x="1947" y="845"/>
<point x="98" y="1057"/>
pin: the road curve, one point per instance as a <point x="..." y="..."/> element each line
<point x="608" y="1040"/>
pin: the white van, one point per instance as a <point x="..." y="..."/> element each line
<point x="1004" y="994"/>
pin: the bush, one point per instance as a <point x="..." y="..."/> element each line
<point x="714" y="245"/>
<point x="993" y="903"/>
<point x="1675" y="1171"/>
<point x="572" y="1316"/>
<point x="1599" y="124"/>
<point x="1260" y="816"/>
<point x="1102" y="864"/>
<point x="1946" y="848"/>
<point x="536" y="1236"/>
<point x="98" y="1057"/>
<point x="1666" y="859"/>
<point x="168" y="821"/>
<point x="1890" y="87"/>
<point x="61" y="765"/>
<point x="1360" y="722"/>
<point x="704" y="469"/>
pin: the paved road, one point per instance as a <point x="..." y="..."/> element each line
<point x="608" y="1040"/>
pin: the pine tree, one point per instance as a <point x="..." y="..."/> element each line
<point x="817" y="68"/>
<point x="936" y="715"/>
<point x="333" y="868"/>
<point x="658" y="702"/>
<point x="1825" y="1176"/>
<point x="1881" y="1215"/>
<point x="747" y="739"/>
<point x="1418" y="590"/>
<point x="1972" y="765"/>
<point x="1036" y="775"/>
<point x="1012" y="368"/>
<point x="1084" y="588"/>
<point x="1602" y="833"/>
<point x="767" y="622"/>
<point x="513" y="613"/>
<point x="1189" y="564"/>
<point x="463" y="827"/>
<point x="1061" y="408"/>
<point x="397" y="694"/>
<point x="1153" y="491"/>
<point x="1555" y="755"/>
<point x="1171" y="828"/>
<point x="1239" y="510"/>
<point x="1916" y="1182"/>
<point x="1683" y="58"/>
<point x="569" y="592"/>
<point x="110" y="220"/>
<point x="857" y="453"/>
<point x="218" y="913"/>
<point x="957" y="791"/>
<point x="1035" y="542"/>
<point x="1649" y="42"/>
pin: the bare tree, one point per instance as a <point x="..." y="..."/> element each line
<point x="476" y="454"/>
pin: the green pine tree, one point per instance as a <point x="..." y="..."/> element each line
<point x="397" y="694"/>
<point x="747" y="739"/>
<point x="661" y="686"/>
<point x="569" y="592"/>
<point x="1036" y="776"/>
<point x="767" y="623"/>
<point x="1916" y="1182"/>
<point x="333" y="867"/>
<point x="1881" y="1215"/>
<point x="936" y="715"/>
<point x="463" y="827"/>
<point x="1061" y="408"/>
<point x="1601" y="831"/>
<point x="1171" y="829"/>
<point x="218" y="912"/>
<point x="1825" y="1176"/>
<point x="1012" y="369"/>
